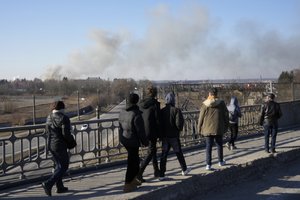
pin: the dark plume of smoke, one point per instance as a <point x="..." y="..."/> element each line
<point x="185" y="46"/>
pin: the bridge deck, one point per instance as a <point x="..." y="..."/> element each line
<point x="108" y="183"/>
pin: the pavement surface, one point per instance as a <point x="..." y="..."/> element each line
<point x="248" y="161"/>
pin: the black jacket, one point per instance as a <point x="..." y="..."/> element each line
<point x="131" y="127"/>
<point x="270" y="113"/>
<point x="171" y="121"/>
<point x="151" y="109"/>
<point x="58" y="128"/>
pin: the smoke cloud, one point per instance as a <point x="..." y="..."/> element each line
<point x="185" y="46"/>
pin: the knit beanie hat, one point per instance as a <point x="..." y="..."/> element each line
<point x="133" y="98"/>
<point x="58" y="105"/>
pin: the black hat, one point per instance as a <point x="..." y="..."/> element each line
<point x="213" y="91"/>
<point x="133" y="98"/>
<point x="58" y="105"/>
<point x="271" y="96"/>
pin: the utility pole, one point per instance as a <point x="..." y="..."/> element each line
<point x="34" y="116"/>
<point x="78" y="107"/>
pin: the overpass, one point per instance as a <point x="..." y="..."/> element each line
<point x="247" y="162"/>
<point x="105" y="181"/>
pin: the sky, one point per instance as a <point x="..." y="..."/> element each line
<point x="149" y="39"/>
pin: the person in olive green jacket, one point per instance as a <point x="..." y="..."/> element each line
<point x="212" y="124"/>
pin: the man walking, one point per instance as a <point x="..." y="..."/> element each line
<point x="172" y="124"/>
<point x="270" y="113"/>
<point x="212" y="124"/>
<point x="132" y="135"/>
<point x="150" y="108"/>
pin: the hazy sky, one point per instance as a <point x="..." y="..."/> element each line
<point x="149" y="39"/>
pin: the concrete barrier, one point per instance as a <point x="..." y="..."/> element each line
<point x="205" y="183"/>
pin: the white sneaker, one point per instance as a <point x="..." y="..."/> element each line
<point x="228" y="145"/>
<point x="184" y="173"/>
<point x="208" y="167"/>
<point x="222" y="163"/>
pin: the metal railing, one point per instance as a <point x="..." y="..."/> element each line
<point x="23" y="150"/>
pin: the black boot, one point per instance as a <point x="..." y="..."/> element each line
<point x="47" y="189"/>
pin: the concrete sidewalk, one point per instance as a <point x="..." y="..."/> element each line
<point x="108" y="183"/>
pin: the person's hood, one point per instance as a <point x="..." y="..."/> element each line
<point x="147" y="102"/>
<point x="131" y="107"/>
<point x="212" y="102"/>
<point x="233" y="104"/>
<point x="170" y="99"/>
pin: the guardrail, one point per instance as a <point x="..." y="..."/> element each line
<point x="23" y="150"/>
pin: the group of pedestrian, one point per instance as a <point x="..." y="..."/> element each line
<point x="144" y="123"/>
<point x="216" y="118"/>
<point x="154" y="124"/>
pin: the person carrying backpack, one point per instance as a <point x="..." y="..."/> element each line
<point x="132" y="135"/>
<point x="234" y="115"/>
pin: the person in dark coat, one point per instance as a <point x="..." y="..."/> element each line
<point x="270" y="113"/>
<point x="234" y="115"/>
<point x="58" y="129"/>
<point x="131" y="136"/>
<point x="172" y="122"/>
<point x="150" y="108"/>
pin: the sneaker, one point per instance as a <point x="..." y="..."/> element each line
<point x="208" y="167"/>
<point x="233" y="147"/>
<point x="128" y="187"/>
<point x="62" y="190"/>
<point x="162" y="178"/>
<point x="228" y="145"/>
<point x="184" y="173"/>
<point x="141" y="179"/>
<point x="222" y="163"/>
<point x="47" y="189"/>
<point x="136" y="182"/>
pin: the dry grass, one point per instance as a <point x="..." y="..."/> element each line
<point x="23" y="108"/>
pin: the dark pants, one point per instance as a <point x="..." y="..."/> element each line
<point x="233" y="133"/>
<point x="270" y="130"/>
<point x="151" y="155"/>
<point x="167" y="143"/>
<point x="209" y="143"/>
<point x="61" y="161"/>
<point x="133" y="163"/>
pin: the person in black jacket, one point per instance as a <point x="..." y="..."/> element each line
<point x="58" y="129"/>
<point x="171" y="125"/>
<point x="150" y="108"/>
<point x="131" y="136"/>
<point x="270" y="113"/>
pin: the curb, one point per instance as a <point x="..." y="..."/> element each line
<point x="205" y="183"/>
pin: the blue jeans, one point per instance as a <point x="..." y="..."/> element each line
<point x="209" y="144"/>
<point x="270" y="130"/>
